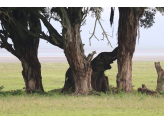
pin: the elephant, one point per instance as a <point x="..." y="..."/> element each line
<point x="99" y="81"/>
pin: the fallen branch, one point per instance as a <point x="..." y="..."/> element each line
<point x="145" y="90"/>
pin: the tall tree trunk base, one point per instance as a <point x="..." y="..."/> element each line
<point x="32" y="74"/>
<point x="160" y="79"/>
<point x="124" y="76"/>
<point x="127" y="33"/>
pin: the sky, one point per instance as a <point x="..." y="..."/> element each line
<point x="151" y="41"/>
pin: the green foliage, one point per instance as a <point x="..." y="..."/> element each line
<point x="12" y="92"/>
<point x="10" y="9"/>
<point x="70" y="91"/>
<point x="1" y="88"/>
<point x="162" y="93"/>
<point x="110" y="88"/>
<point x="160" y="9"/>
<point x="119" y="89"/>
<point x="94" y="11"/>
<point x="38" y="92"/>
<point x="148" y="17"/>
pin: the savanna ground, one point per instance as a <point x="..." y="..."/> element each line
<point x="56" y="104"/>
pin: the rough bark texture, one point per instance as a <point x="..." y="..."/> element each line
<point x="80" y="67"/>
<point x="99" y="64"/>
<point x="32" y="69"/>
<point x="145" y="90"/>
<point x="127" y="33"/>
<point x="160" y="79"/>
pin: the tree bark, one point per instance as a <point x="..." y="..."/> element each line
<point x="32" y="71"/>
<point x="127" y="33"/>
<point x="160" y="79"/>
<point x="79" y="66"/>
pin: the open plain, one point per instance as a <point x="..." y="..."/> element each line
<point x="56" y="104"/>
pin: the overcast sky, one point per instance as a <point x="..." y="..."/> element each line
<point x="150" y="39"/>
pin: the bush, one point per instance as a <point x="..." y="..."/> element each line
<point x="1" y="88"/>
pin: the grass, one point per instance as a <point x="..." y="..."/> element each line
<point x="18" y="103"/>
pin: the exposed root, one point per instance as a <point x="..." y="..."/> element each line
<point x="145" y="90"/>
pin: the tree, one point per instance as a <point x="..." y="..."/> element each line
<point x="25" y="46"/>
<point x="127" y="33"/>
<point x="129" y="18"/>
<point x="71" y="19"/>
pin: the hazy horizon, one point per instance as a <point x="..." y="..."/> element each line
<point x="57" y="52"/>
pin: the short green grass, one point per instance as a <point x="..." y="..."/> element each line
<point x="57" y="104"/>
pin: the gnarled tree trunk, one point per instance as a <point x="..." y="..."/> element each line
<point x="160" y="79"/>
<point x="80" y="67"/>
<point x="127" y="33"/>
<point x="32" y="71"/>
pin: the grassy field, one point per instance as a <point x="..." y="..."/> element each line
<point x="53" y="76"/>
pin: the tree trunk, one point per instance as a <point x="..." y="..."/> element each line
<point x="80" y="67"/>
<point x="32" y="73"/>
<point x="160" y="79"/>
<point x="127" y="33"/>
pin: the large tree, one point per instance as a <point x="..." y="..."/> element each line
<point x="25" y="46"/>
<point x="129" y="18"/>
<point x="71" y="19"/>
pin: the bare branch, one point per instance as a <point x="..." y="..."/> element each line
<point x="58" y="38"/>
<point x="86" y="12"/>
<point x="93" y="34"/>
<point x="90" y="56"/>
<point x="104" y="33"/>
<point x="103" y="28"/>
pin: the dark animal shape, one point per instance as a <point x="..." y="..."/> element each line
<point x="99" y="64"/>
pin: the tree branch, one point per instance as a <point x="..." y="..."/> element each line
<point x="7" y="46"/>
<point x="85" y="12"/>
<point x="103" y="28"/>
<point x="53" y="33"/>
<point x="64" y="16"/>
<point x="90" y="56"/>
<point x="93" y="34"/>
<point x="78" y="14"/>
<point x="104" y="33"/>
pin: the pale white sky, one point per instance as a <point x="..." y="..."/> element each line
<point x="150" y="39"/>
